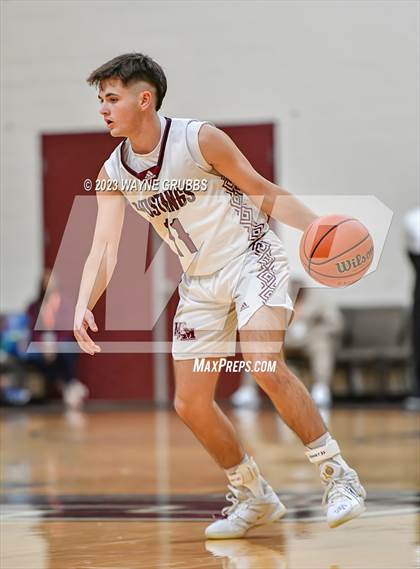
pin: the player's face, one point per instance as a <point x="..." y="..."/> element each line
<point x="119" y="106"/>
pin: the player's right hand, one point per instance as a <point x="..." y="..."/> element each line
<point x="83" y="319"/>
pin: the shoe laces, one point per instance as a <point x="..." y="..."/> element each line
<point x="238" y="497"/>
<point x="337" y="488"/>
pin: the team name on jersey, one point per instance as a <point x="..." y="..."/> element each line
<point x="170" y="200"/>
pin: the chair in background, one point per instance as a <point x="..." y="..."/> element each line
<point x="375" y="339"/>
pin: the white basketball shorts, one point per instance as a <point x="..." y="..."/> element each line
<point x="213" y="307"/>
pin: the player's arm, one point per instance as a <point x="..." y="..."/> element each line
<point x="100" y="263"/>
<point x="225" y="157"/>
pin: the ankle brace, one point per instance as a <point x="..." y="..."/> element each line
<point x="320" y="454"/>
<point x="246" y="474"/>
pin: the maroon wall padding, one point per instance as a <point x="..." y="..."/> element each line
<point x="69" y="159"/>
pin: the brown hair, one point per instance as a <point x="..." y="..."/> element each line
<point x="129" y="68"/>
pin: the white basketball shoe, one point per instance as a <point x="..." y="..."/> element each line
<point x="248" y="509"/>
<point x="74" y="394"/>
<point x="321" y="394"/>
<point x="344" y="496"/>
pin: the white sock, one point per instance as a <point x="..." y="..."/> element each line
<point x="320" y="442"/>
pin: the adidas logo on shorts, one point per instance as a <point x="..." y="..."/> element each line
<point x="244" y="306"/>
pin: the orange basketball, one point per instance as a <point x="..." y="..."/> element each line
<point x="336" y="250"/>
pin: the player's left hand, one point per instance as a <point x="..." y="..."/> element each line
<point x="83" y="320"/>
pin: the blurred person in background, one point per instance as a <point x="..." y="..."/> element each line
<point x="58" y="367"/>
<point x="412" y="241"/>
<point x="13" y="344"/>
<point x="314" y="333"/>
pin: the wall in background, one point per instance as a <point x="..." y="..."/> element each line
<point x="340" y="78"/>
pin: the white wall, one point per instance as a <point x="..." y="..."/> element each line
<point x="339" y="77"/>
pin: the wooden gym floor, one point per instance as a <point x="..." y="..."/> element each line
<point x="132" y="489"/>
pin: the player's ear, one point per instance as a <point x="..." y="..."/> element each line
<point x="145" y="99"/>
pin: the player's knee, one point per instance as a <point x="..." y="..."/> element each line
<point x="188" y="409"/>
<point x="181" y="406"/>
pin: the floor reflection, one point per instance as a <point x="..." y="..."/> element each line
<point x="247" y="554"/>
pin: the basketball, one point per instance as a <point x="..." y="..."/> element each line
<point x="336" y="250"/>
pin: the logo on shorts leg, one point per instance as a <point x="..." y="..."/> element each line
<point x="244" y="306"/>
<point x="181" y="332"/>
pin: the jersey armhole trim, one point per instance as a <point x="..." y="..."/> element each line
<point x="108" y="169"/>
<point x="194" y="150"/>
<point x="112" y="164"/>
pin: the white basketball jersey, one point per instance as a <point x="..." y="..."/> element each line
<point x="202" y="216"/>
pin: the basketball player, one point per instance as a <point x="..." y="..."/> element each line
<point x="235" y="277"/>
